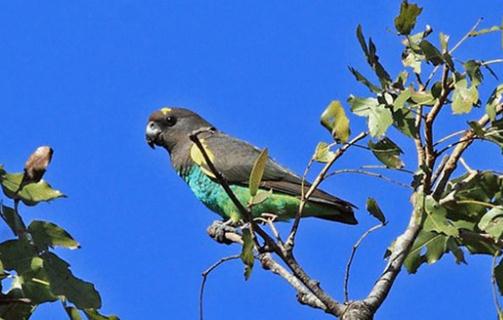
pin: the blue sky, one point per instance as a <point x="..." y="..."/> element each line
<point x="83" y="76"/>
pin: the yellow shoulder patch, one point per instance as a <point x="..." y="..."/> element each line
<point x="165" y="111"/>
<point x="197" y="156"/>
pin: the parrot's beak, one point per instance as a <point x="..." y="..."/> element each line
<point x="152" y="133"/>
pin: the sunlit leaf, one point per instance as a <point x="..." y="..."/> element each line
<point x="402" y="98"/>
<point x="388" y="152"/>
<point x="379" y="117"/>
<point x="374" y="210"/>
<point x="492" y="222"/>
<point x="247" y="252"/>
<point x="258" y="171"/>
<point x="494" y="101"/>
<point x="323" y="153"/>
<point x="260" y="197"/>
<point x="406" y="20"/>
<point x="335" y="120"/>
<point x="30" y="194"/>
<point x="464" y="97"/>
<point x="485" y="31"/>
<point x="412" y="60"/>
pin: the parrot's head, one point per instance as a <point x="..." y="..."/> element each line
<point x="169" y="126"/>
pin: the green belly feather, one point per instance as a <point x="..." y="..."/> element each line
<point x="215" y="198"/>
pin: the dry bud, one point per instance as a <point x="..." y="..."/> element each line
<point x="37" y="164"/>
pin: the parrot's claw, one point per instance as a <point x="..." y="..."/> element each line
<point x="220" y="230"/>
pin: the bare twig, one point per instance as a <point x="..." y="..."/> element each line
<point x="372" y="166"/>
<point x="371" y="174"/>
<point x="467" y="167"/>
<point x="205" y="277"/>
<point x="452" y="135"/>
<point x="488" y="62"/>
<point x="466" y="36"/>
<point x="352" y="256"/>
<point x="321" y="176"/>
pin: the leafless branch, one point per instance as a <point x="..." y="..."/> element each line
<point x="352" y="256"/>
<point x="371" y="174"/>
<point x="205" y="275"/>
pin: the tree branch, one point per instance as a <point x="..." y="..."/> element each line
<point x="452" y="162"/>
<point x="319" y="179"/>
<point x="205" y="277"/>
<point x="352" y="256"/>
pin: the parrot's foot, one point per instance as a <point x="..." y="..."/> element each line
<point x="224" y="232"/>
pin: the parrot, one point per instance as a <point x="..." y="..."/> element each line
<point x="171" y="128"/>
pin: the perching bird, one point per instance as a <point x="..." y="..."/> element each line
<point x="171" y="128"/>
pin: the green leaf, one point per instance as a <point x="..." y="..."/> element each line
<point x="375" y="211"/>
<point x="432" y="243"/>
<point x="413" y="60"/>
<point x="47" y="234"/>
<point x="260" y="197"/>
<point x="493" y="102"/>
<point x="258" y="172"/>
<point x="93" y="314"/>
<point x="335" y="120"/>
<point x="431" y="53"/>
<point x="401" y="99"/>
<point x="464" y="98"/>
<point x="485" y="31"/>
<point x="247" y="252"/>
<point x="30" y="194"/>
<point x="73" y="313"/>
<point x="472" y="68"/>
<point x="63" y="283"/>
<point x="436" y="219"/>
<point x="19" y="311"/>
<point x="492" y="222"/>
<point x="388" y="152"/>
<point x="422" y="97"/>
<point x="14" y="220"/>
<point x="405" y="121"/>
<point x="495" y="133"/>
<point x="372" y="58"/>
<point x="379" y="117"/>
<point x="456" y="251"/>
<point x="498" y="274"/>
<point x="444" y="39"/>
<point x="361" y="78"/>
<point x="406" y="20"/>
<point x="323" y="153"/>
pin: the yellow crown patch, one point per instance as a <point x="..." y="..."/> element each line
<point x="165" y="111"/>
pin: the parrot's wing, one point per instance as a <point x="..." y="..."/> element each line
<point x="235" y="158"/>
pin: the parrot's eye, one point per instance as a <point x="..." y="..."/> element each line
<point x="170" y="121"/>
